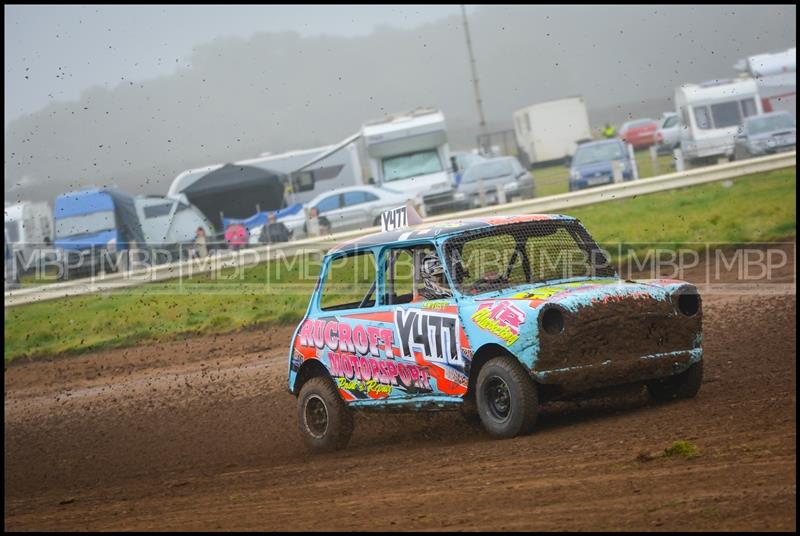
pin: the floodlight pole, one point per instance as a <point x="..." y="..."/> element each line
<point x="474" y="70"/>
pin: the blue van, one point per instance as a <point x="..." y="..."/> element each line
<point x="592" y="164"/>
<point x="92" y="228"/>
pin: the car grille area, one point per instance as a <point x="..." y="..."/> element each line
<point x="617" y="341"/>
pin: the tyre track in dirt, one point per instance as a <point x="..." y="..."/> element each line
<point x="200" y="434"/>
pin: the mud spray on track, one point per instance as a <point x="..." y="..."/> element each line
<point x="200" y="434"/>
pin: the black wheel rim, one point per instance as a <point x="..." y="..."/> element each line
<point x="316" y="416"/>
<point x="498" y="398"/>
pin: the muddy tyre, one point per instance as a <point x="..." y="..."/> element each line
<point x="683" y="385"/>
<point x="324" y="420"/>
<point x="507" y="399"/>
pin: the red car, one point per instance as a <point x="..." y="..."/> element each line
<point x="639" y="133"/>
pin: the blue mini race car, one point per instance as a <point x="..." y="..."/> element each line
<point x="492" y="316"/>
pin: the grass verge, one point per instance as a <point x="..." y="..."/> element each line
<point x="756" y="208"/>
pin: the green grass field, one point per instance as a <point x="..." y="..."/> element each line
<point x="756" y="208"/>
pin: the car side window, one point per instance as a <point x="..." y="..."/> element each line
<point x="670" y="122"/>
<point x="328" y="204"/>
<point x="354" y="198"/>
<point x="403" y="282"/>
<point x="370" y="196"/>
<point x="349" y="282"/>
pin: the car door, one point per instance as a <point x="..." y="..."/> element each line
<point x="428" y="334"/>
<point x="328" y="207"/>
<point x="353" y="212"/>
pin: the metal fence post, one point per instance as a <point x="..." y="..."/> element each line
<point x="633" y="162"/>
<point x="677" y="154"/>
<point x="654" y="159"/>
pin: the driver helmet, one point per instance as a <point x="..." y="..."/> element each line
<point x="433" y="277"/>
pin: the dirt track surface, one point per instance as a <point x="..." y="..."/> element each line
<point x="200" y="435"/>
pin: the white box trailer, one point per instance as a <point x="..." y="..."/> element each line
<point x="711" y="115"/>
<point x="549" y="131"/>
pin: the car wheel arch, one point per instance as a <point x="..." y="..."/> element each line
<point x="311" y="368"/>
<point x="480" y="358"/>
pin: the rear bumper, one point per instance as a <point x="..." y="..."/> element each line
<point x="613" y="371"/>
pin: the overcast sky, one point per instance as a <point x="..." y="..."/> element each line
<point x="133" y="95"/>
<point x="54" y="52"/>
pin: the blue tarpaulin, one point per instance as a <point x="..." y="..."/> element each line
<point x="260" y="218"/>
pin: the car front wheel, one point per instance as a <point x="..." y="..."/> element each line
<point x="324" y="420"/>
<point x="683" y="385"/>
<point x="507" y="398"/>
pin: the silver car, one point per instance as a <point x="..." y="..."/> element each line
<point x="505" y="172"/>
<point x="763" y="134"/>
<point x="668" y="135"/>
<point x="345" y="209"/>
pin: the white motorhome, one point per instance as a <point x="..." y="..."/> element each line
<point x="410" y="153"/>
<point x="339" y="169"/>
<point x="551" y="130"/>
<point x="29" y="228"/>
<point x="776" y="77"/>
<point x="712" y="114"/>
<point x="169" y="221"/>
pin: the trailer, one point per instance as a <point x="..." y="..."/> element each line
<point x="712" y="114"/>
<point x="549" y="131"/>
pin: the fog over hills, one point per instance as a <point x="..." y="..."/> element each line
<point x="236" y="97"/>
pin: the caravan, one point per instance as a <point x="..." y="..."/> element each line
<point x="169" y="223"/>
<point x="28" y="230"/>
<point x="712" y="114"/>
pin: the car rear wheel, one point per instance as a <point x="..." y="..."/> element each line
<point x="324" y="420"/>
<point x="507" y="398"/>
<point x="683" y="385"/>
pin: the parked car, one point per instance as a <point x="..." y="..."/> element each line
<point x="505" y="172"/>
<point x="493" y="316"/>
<point x="640" y="133"/>
<point x="345" y="209"/>
<point x="593" y="164"/>
<point x="766" y="134"/>
<point x="668" y="134"/>
<point x="462" y="160"/>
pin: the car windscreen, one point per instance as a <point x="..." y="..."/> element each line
<point x="488" y="170"/>
<point x="85" y="224"/>
<point x="770" y="123"/>
<point x="670" y="121"/>
<point x="411" y="165"/>
<point x="590" y="154"/>
<point x="524" y="253"/>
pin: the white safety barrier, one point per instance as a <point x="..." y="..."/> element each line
<point x="250" y="257"/>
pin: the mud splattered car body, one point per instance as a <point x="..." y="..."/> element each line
<point x="571" y="325"/>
